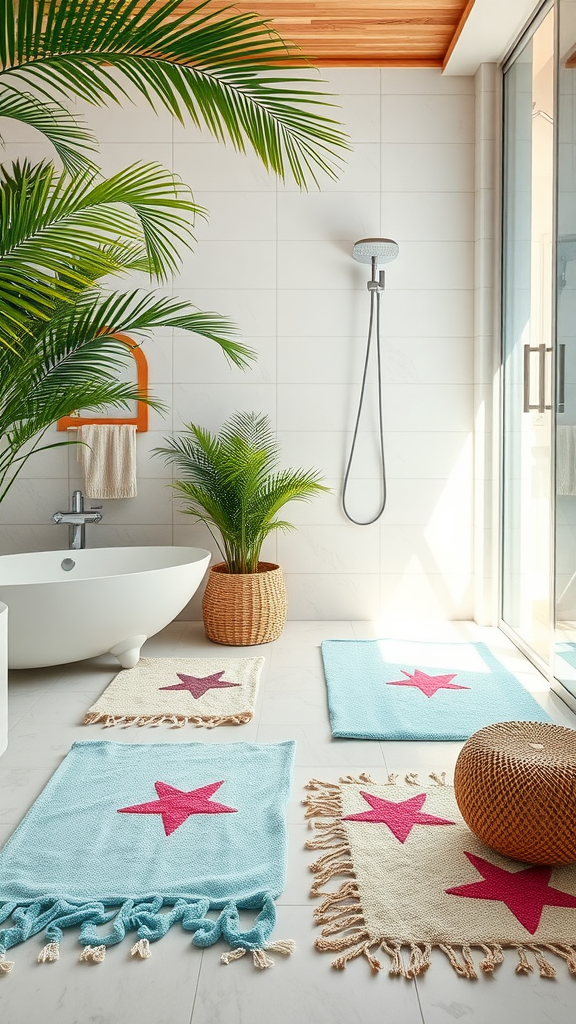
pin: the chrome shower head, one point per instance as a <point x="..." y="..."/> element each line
<point x="382" y="250"/>
<point x="566" y="252"/>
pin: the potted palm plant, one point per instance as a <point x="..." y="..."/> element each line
<point x="230" y="482"/>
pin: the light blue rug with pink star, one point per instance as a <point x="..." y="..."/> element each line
<point x="416" y="690"/>
<point x="134" y="838"/>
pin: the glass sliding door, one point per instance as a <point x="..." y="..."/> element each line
<point x="565" y="646"/>
<point x="528" y="199"/>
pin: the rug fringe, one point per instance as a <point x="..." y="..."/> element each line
<point x="177" y="721"/>
<point x="567" y="953"/>
<point x="150" y="918"/>
<point x="49" y="953"/>
<point x="92" y="954"/>
<point x="141" y="949"/>
<point x="323" y="801"/>
<point x="494" y="956"/>
<point x="465" y="967"/>
<point x="341" y="915"/>
<point x="5" y="965"/>
<point x="260" y="957"/>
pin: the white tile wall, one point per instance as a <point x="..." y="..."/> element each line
<point x="278" y="261"/>
<point x="486" y="396"/>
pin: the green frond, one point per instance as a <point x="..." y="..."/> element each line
<point x="67" y="134"/>
<point x="72" y="360"/>
<point x="229" y="72"/>
<point x="59" y="234"/>
<point x="100" y="314"/>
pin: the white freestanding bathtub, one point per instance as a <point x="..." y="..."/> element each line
<point x="69" y="605"/>
<point x="3" y="678"/>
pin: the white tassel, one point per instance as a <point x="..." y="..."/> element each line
<point x="49" y="953"/>
<point x="141" y="949"/>
<point x="260" y="960"/>
<point x="284" y="946"/>
<point x="232" y="954"/>
<point x="5" y="965"/>
<point x="92" y="954"/>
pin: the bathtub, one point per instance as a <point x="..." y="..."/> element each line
<point x="3" y="678"/>
<point x="69" y="605"/>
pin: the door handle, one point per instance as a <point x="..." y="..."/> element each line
<point x="561" y="377"/>
<point x="542" y="378"/>
<point x="527" y="351"/>
<point x="541" y="405"/>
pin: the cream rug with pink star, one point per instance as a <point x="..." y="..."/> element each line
<point x="400" y="872"/>
<point x="176" y="691"/>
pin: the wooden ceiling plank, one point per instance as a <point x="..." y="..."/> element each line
<point x="379" y="33"/>
<point x="464" y="18"/>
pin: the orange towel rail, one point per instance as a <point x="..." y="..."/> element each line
<point x="141" y="419"/>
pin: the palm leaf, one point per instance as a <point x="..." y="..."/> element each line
<point x="58" y="234"/>
<point x="226" y="71"/>
<point x="72" y="361"/>
<point x="102" y="315"/>
<point x="66" y="133"/>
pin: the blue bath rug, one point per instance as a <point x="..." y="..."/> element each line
<point x="567" y="652"/>
<point x="414" y="690"/>
<point x="138" y="837"/>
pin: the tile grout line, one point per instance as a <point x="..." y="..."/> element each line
<point x="197" y="987"/>
<point x="417" y="991"/>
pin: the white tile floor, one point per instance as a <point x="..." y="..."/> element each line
<point x="184" y="985"/>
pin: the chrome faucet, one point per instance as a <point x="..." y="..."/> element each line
<point x="76" y="520"/>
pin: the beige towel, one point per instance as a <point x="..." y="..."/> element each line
<point x="566" y="460"/>
<point x="108" y="459"/>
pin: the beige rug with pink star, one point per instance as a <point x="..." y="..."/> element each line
<point x="176" y="691"/>
<point x="400" y="872"/>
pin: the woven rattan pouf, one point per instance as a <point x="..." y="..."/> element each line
<point x="515" y="783"/>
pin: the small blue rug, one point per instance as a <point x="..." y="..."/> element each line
<point x="567" y="652"/>
<point x="415" y="690"/>
<point x="130" y="837"/>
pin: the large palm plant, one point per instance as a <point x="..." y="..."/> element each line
<point x="230" y="483"/>
<point x="228" y="72"/>
<point x="64" y="354"/>
<point x="60" y="233"/>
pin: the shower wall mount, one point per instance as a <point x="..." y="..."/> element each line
<point x="375" y="252"/>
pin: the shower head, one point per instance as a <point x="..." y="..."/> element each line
<point x="382" y="250"/>
<point x="566" y="252"/>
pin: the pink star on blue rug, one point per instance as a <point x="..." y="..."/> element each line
<point x="198" y="685"/>
<point x="176" y="805"/>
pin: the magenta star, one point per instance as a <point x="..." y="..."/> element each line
<point x="399" y="817"/>
<point x="427" y="684"/>
<point x="525" y="892"/>
<point x="198" y="685"/>
<point x="176" y="805"/>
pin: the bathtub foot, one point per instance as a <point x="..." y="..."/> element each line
<point x="128" y="651"/>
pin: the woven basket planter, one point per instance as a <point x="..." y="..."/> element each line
<point x="515" y="783"/>
<point x="244" y="608"/>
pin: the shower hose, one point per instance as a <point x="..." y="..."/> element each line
<point x="375" y="294"/>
